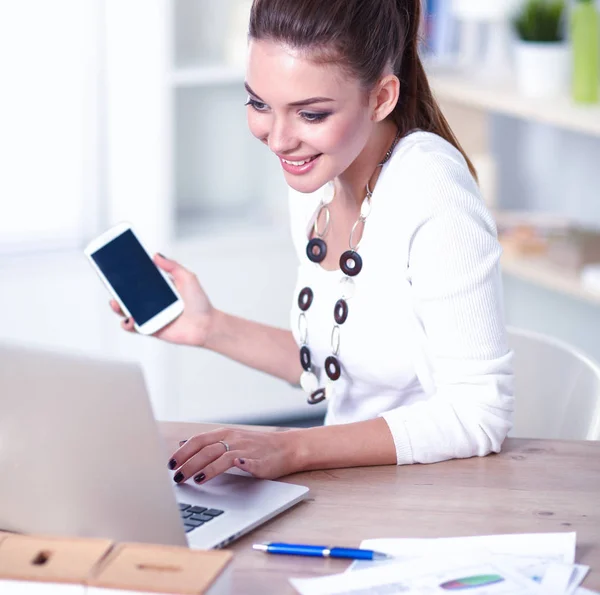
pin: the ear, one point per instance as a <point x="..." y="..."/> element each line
<point x="384" y="97"/>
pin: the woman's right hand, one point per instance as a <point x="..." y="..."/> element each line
<point x="192" y="326"/>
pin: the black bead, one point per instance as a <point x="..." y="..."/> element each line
<point x="351" y="263"/>
<point x="305" y="357"/>
<point x="316" y="397"/>
<point x="332" y="367"/>
<point x="340" y="311"/>
<point x="316" y="250"/>
<point x="305" y="298"/>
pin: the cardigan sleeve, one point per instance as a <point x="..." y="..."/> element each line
<point x="455" y="282"/>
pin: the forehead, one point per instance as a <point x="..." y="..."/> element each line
<point x="278" y="73"/>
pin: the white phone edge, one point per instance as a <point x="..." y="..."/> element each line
<point x="165" y="316"/>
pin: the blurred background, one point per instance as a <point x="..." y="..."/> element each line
<point x="133" y="110"/>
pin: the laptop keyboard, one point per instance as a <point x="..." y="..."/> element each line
<point x="196" y="516"/>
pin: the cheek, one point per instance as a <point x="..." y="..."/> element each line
<point x="345" y="136"/>
<point x="257" y="124"/>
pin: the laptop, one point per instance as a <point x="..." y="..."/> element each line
<point x="81" y="455"/>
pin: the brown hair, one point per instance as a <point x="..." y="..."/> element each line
<point x="363" y="36"/>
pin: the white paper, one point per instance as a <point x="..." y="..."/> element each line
<point x="578" y="575"/>
<point x="557" y="578"/>
<point x="421" y="577"/>
<point x="12" y="587"/>
<point x="557" y="547"/>
<point x="546" y="558"/>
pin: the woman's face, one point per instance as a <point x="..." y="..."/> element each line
<point x="312" y="116"/>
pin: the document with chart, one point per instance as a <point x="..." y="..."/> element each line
<point x="427" y="576"/>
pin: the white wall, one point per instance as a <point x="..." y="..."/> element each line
<point x="50" y="122"/>
<point x="138" y="99"/>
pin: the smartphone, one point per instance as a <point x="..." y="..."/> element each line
<point x="142" y="290"/>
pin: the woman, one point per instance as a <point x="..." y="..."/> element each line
<point x="403" y="335"/>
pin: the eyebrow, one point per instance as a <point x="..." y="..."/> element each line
<point x="300" y="103"/>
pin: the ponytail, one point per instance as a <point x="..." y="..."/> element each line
<point x="417" y="108"/>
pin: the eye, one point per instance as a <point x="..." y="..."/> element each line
<point x="314" y="117"/>
<point x="259" y="106"/>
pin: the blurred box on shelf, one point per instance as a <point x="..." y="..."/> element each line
<point x="557" y="239"/>
<point x="524" y="233"/>
<point x="35" y="565"/>
<point x="575" y="248"/>
<point x="523" y="240"/>
<point x="166" y="570"/>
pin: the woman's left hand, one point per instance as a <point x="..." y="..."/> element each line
<point x="267" y="455"/>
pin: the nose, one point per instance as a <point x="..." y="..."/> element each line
<point x="281" y="137"/>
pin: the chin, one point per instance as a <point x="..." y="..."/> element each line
<point x="305" y="184"/>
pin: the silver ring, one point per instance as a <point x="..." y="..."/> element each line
<point x="352" y="245"/>
<point x="335" y="340"/>
<point x="321" y="234"/>
<point x="302" y="327"/>
<point x="224" y="444"/>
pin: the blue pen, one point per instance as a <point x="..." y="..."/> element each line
<point x="320" y="551"/>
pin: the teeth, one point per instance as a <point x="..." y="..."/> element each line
<point x="297" y="163"/>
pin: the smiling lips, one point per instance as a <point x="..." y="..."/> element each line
<point x="299" y="166"/>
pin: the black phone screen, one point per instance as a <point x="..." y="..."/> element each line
<point x="134" y="277"/>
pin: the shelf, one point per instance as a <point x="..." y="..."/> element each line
<point x="204" y="76"/>
<point x="539" y="271"/>
<point x="504" y="99"/>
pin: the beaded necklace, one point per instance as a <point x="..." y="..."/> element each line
<point x="351" y="265"/>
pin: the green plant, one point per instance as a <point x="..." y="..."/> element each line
<point x="541" y="20"/>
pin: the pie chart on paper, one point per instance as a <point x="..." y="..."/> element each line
<point x="472" y="582"/>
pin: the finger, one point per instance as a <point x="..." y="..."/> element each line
<point x="115" y="307"/>
<point x="205" y="459"/>
<point x="127" y="324"/>
<point x="249" y="465"/>
<point x="218" y="466"/>
<point x="173" y="268"/>
<point x="193" y="445"/>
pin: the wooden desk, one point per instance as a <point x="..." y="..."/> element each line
<point x="532" y="486"/>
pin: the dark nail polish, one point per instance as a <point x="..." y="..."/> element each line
<point x="172" y="464"/>
<point x="200" y="477"/>
<point x="178" y="477"/>
<point x="126" y="321"/>
<point x="182" y="442"/>
<point x="162" y="256"/>
<point x="242" y="461"/>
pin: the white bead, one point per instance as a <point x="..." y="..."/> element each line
<point x="309" y="382"/>
<point x="348" y="287"/>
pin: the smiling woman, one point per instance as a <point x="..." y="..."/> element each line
<point x="398" y="319"/>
